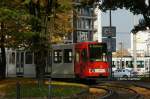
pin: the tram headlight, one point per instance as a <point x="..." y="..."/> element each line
<point x="91" y="70"/>
<point x="97" y="70"/>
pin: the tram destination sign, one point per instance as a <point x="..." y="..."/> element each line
<point x="104" y="45"/>
<point x="109" y="31"/>
<point x="95" y="45"/>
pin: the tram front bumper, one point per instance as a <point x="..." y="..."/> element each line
<point x="97" y="74"/>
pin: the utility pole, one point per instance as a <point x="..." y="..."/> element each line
<point x="110" y="45"/>
<point x="148" y="44"/>
<point x="134" y="48"/>
<point x="121" y="49"/>
<point x="134" y="52"/>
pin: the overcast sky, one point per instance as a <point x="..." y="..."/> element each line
<point x="124" y="22"/>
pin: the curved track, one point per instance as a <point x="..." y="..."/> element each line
<point x="117" y="92"/>
<point x="113" y="90"/>
<point x="109" y="93"/>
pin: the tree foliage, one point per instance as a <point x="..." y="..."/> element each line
<point x="28" y="23"/>
<point x="48" y="19"/>
<point x="15" y="25"/>
<point x="13" y="28"/>
<point x="59" y="14"/>
<point x="62" y="20"/>
<point x="135" y="6"/>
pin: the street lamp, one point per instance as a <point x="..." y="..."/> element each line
<point x="134" y="52"/>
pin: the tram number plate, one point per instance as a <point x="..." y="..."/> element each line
<point x="99" y="70"/>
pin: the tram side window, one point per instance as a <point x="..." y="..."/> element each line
<point x="67" y="55"/>
<point x="12" y="58"/>
<point x="113" y="63"/>
<point x="57" y="56"/>
<point x="131" y="64"/>
<point x="140" y="64"/>
<point x="28" y="58"/>
<point x="118" y="64"/>
<point x="122" y="63"/>
<point x="127" y="64"/>
<point x="146" y="64"/>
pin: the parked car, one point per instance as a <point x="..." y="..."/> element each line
<point x="134" y="73"/>
<point x="122" y="73"/>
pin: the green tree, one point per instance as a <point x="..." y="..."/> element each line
<point x="13" y="29"/>
<point x="45" y="22"/>
<point x="135" y="6"/>
<point x="28" y="24"/>
<point x="63" y="20"/>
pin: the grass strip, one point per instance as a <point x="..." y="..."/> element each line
<point x="32" y="90"/>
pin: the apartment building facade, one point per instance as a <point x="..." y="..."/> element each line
<point x="85" y="19"/>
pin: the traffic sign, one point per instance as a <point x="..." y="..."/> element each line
<point x="111" y="43"/>
<point x="108" y="31"/>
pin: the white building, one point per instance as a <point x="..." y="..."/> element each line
<point x="142" y="43"/>
<point x="97" y="36"/>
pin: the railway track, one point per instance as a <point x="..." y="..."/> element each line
<point x="111" y="92"/>
<point x="117" y="92"/>
<point x="90" y="95"/>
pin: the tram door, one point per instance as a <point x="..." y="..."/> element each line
<point x="19" y="63"/>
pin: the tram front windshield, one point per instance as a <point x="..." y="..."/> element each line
<point x="97" y="52"/>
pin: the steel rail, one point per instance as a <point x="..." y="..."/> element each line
<point x="112" y="93"/>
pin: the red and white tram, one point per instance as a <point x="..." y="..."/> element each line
<point x="82" y="60"/>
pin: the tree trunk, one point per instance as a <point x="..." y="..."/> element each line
<point x="3" y="53"/>
<point x="40" y="66"/>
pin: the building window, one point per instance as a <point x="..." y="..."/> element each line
<point x="67" y="55"/>
<point x="28" y="58"/>
<point x="86" y="11"/>
<point x="57" y="56"/>
<point x="87" y="24"/>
